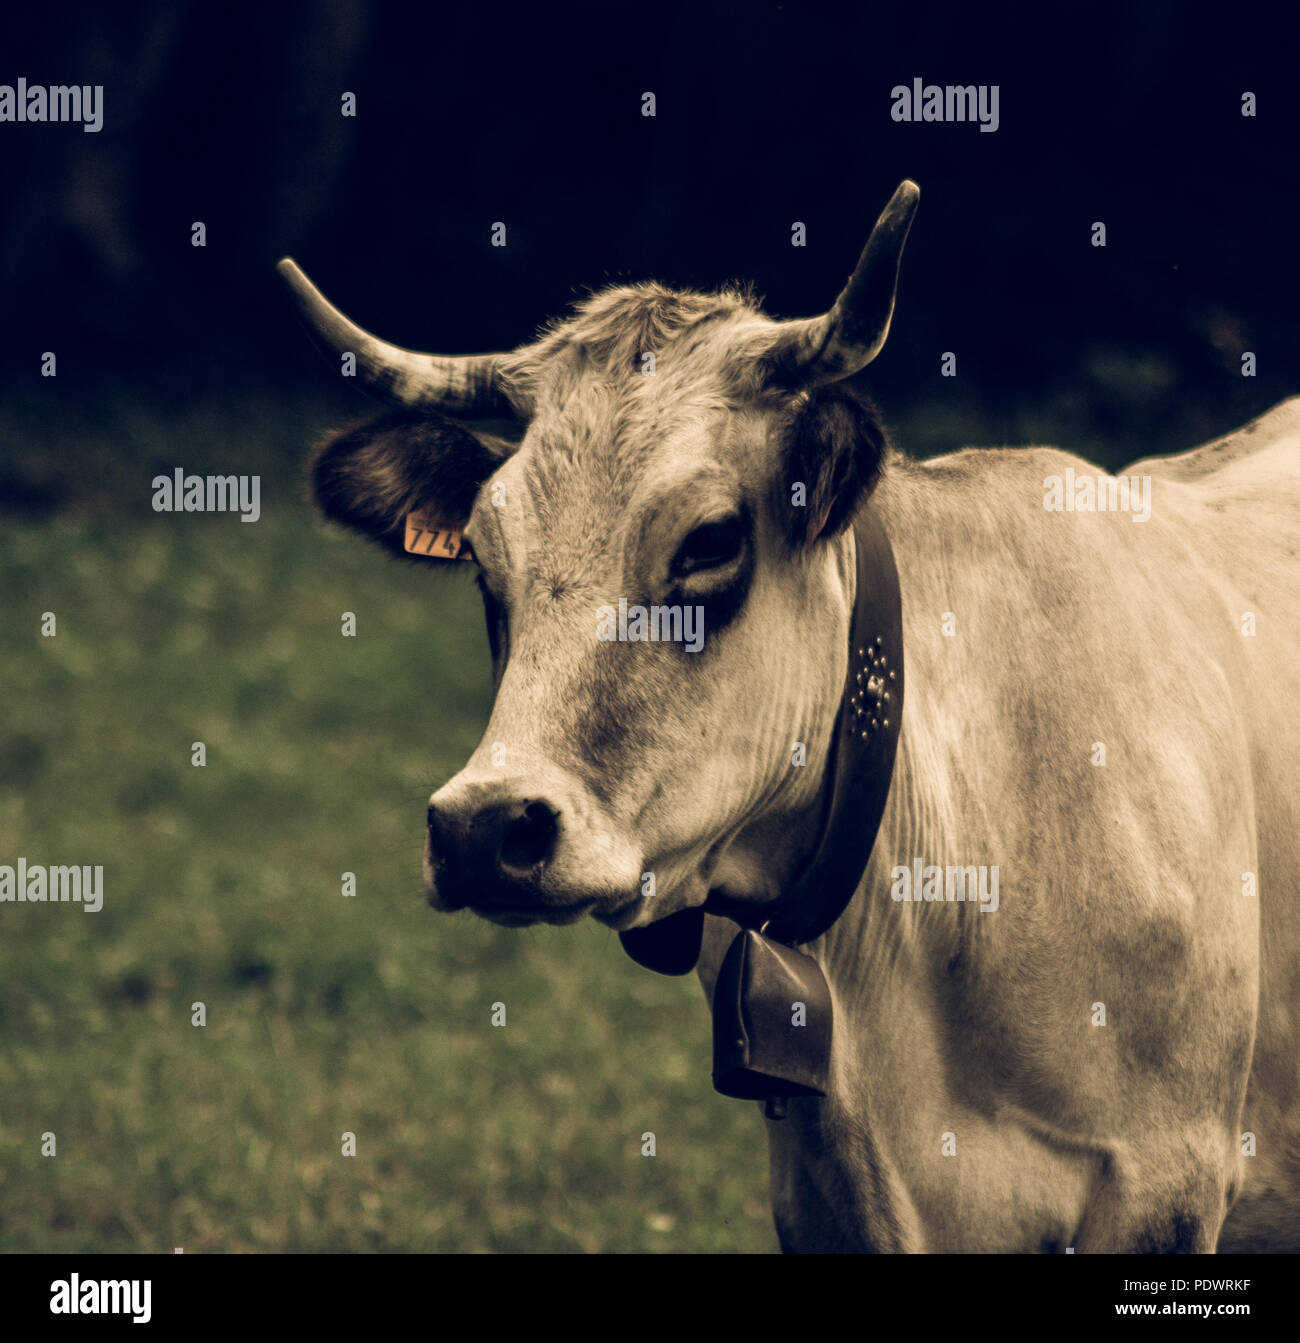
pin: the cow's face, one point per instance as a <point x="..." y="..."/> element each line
<point x="660" y="543"/>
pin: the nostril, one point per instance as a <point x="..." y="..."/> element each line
<point x="529" y="838"/>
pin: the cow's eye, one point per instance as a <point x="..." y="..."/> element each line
<point x="711" y="546"/>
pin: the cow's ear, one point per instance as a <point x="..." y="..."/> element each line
<point x="833" y="446"/>
<point x="371" y="476"/>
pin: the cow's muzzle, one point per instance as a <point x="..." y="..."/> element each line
<point x="496" y="852"/>
<point x="517" y="854"/>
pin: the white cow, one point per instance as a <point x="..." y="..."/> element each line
<point x="1102" y="688"/>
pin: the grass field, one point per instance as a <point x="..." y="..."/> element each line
<point x="222" y="885"/>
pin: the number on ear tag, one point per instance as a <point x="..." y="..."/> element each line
<point x="426" y="535"/>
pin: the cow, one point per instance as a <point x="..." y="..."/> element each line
<point x="1101" y="713"/>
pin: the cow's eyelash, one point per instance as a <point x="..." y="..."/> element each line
<point x="710" y="546"/>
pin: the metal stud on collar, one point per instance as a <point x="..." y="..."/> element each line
<point x="869" y="701"/>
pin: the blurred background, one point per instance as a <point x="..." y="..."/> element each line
<point x="222" y="884"/>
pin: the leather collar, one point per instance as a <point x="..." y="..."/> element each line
<point x="859" y="770"/>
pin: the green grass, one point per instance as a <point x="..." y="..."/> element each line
<point x="325" y="1014"/>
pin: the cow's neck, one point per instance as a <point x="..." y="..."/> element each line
<point x="920" y="820"/>
<point x="880" y="946"/>
<point x="887" y="963"/>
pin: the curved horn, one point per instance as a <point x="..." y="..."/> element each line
<point x="838" y="343"/>
<point x="454" y="384"/>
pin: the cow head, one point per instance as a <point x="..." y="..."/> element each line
<point x="667" y="451"/>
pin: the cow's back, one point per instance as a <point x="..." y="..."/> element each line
<point x="1240" y="497"/>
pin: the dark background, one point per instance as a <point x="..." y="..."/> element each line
<point x="531" y="115"/>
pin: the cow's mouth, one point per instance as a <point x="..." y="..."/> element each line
<point x="560" y="916"/>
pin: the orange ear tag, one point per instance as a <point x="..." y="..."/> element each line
<point x="426" y="535"/>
